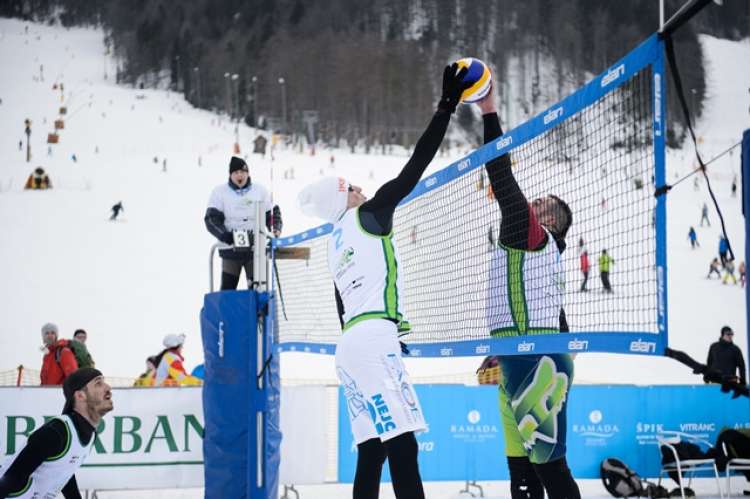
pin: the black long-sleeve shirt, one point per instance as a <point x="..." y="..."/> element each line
<point x="49" y="440"/>
<point x="519" y="227"/>
<point x="376" y="214"/>
<point x="726" y="357"/>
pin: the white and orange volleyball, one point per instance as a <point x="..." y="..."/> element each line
<point x="480" y="77"/>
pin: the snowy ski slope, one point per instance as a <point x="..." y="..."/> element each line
<point x="130" y="282"/>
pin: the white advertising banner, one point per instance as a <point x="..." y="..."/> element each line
<point x="152" y="439"/>
<point x="305" y="418"/>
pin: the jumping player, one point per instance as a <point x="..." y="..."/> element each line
<point x="525" y="298"/>
<point x="383" y="408"/>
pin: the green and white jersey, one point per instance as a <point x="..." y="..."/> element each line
<point x="525" y="290"/>
<point x="364" y="267"/>
<point x="51" y="476"/>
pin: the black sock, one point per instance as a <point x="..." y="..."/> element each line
<point x="370" y="459"/>
<point x="524" y="484"/>
<point x="558" y="480"/>
<point x="229" y="281"/>
<point x="402" y="461"/>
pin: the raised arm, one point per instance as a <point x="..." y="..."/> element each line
<point x="384" y="202"/>
<point x="376" y="215"/>
<point x="518" y="227"/>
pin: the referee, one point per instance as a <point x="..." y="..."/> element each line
<point x="53" y="453"/>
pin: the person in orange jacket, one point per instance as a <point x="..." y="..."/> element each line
<point x="169" y="368"/>
<point x="59" y="361"/>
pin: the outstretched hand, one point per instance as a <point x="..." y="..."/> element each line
<point x="453" y="86"/>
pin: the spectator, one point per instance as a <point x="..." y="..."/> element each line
<point x="38" y="180"/>
<point x="116" y="209"/>
<point x="59" y="361"/>
<point x="50" y="458"/>
<point x="605" y="262"/>
<point x="147" y="378"/>
<point x="230" y="217"/>
<point x="585" y="269"/>
<point x="741" y="270"/>
<point x="726" y="357"/>
<point x="169" y="367"/>
<point x="693" y="238"/>
<point x="723" y="250"/>
<point x="713" y="268"/>
<point x="704" y="215"/>
<point x="729" y="272"/>
<point x="80" y="335"/>
<point x="80" y="350"/>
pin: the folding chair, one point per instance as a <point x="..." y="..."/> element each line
<point x="668" y="440"/>
<point x="734" y="464"/>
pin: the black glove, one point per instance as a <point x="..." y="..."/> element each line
<point x="228" y="238"/>
<point x="453" y="87"/>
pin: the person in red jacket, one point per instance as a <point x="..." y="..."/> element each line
<point x="585" y="269"/>
<point x="59" y="361"/>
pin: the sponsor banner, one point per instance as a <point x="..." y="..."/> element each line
<point x="464" y="436"/>
<point x="152" y="439"/>
<point x="465" y="440"/>
<point x="304" y="426"/>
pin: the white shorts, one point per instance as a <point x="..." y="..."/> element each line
<point x="380" y="398"/>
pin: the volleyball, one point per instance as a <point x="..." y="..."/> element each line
<point x="480" y="77"/>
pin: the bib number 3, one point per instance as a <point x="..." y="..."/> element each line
<point x="241" y="239"/>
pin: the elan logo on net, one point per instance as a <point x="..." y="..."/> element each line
<point x="577" y="345"/>
<point x="552" y="115"/>
<point x="613" y="75"/>
<point x="642" y="346"/>
<point x="526" y="346"/>
<point x="504" y="142"/>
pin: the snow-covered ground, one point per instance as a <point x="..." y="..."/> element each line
<point x="130" y="282"/>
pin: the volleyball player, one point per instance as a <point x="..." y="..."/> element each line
<point x="383" y="408"/>
<point x="525" y="298"/>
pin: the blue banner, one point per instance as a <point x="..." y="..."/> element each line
<point x="465" y="437"/>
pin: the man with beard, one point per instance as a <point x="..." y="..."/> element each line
<point x="47" y="464"/>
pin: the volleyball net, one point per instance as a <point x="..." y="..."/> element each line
<point x="602" y="151"/>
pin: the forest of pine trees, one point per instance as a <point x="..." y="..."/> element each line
<point x="371" y="68"/>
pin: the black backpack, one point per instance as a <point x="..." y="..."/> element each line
<point x="621" y="481"/>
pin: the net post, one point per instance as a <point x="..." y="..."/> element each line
<point x="745" y="169"/>
<point x="658" y="96"/>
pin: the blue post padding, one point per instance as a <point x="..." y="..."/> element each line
<point x="465" y="438"/>
<point x="746" y="211"/>
<point x="230" y="394"/>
